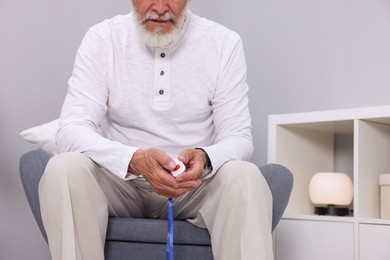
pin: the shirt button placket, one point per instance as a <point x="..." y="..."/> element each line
<point x="161" y="91"/>
<point x="162" y="79"/>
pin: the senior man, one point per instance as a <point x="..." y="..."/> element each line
<point x="156" y="84"/>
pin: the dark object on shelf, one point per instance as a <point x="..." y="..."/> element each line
<point x="331" y="210"/>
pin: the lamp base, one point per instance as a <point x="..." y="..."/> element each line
<point x="331" y="210"/>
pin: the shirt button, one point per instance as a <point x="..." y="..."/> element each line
<point x="162" y="55"/>
<point x="161" y="92"/>
<point x="162" y="73"/>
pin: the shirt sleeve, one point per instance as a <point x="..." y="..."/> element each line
<point x="231" y="116"/>
<point x="85" y="106"/>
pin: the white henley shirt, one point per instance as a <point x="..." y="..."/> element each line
<point x="124" y="96"/>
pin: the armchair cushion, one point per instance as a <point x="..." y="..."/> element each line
<point x="42" y="136"/>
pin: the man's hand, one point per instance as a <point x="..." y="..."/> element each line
<point x="155" y="166"/>
<point x="195" y="160"/>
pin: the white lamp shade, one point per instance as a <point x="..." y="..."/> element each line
<point x="331" y="188"/>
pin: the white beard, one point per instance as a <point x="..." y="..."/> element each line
<point x="156" y="39"/>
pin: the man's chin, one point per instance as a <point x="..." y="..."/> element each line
<point x="158" y="36"/>
<point x="159" y="32"/>
<point x="156" y="40"/>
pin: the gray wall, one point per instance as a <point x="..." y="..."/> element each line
<point x="302" y="55"/>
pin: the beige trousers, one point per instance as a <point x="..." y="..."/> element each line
<point x="77" y="196"/>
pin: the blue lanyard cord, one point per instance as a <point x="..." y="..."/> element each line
<point x="169" y="248"/>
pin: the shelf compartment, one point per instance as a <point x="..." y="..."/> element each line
<point x="373" y="151"/>
<point x="318" y="240"/>
<point x="308" y="148"/>
<point x="374" y="242"/>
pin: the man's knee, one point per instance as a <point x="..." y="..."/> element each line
<point x="241" y="176"/>
<point x="66" y="168"/>
<point x="234" y="171"/>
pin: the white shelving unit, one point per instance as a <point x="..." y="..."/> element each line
<point x="354" y="141"/>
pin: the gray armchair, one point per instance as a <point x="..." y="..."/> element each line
<point x="131" y="238"/>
